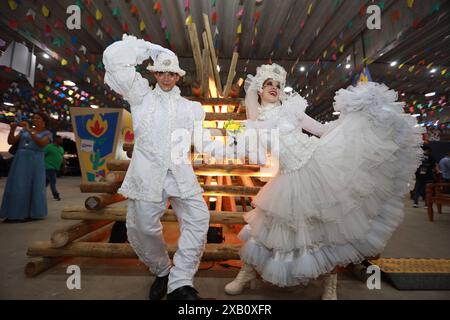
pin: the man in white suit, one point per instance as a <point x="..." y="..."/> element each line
<point x="157" y="172"/>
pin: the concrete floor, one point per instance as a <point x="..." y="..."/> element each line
<point x="129" y="279"/>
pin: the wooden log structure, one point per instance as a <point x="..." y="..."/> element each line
<point x="101" y="201"/>
<point x="217" y="116"/>
<point x="195" y="45"/>
<point x="213" y="252"/>
<point x="41" y="264"/>
<point x="61" y="237"/>
<point x="115" y="176"/>
<point x="200" y="169"/>
<point x="103" y="187"/>
<point x="119" y="214"/>
<point x="99" y="187"/>
<point x="231" y="74"/>
<point x="219" y="101"/>
<point x="213" y="54"/>
<point x="237" y="191"/>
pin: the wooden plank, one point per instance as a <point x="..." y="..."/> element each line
<point x="218" y="116"/>
<point x="213" y="54"/>
<point x="124" y="250"/>
<point x="119" y="214"/>
<point x="205" y="74"/>
<point x="103" y="187"/>
<point x="195" y="45"/>
<point x="219" y="101"/>
<point x="231" y="74"/>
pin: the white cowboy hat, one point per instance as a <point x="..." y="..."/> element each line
<point x="166" y="62"/>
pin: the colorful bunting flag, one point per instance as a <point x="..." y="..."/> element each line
<point x="12" y="4"/>
<point x="98" y="15"/>
<point x="45" y="11"/>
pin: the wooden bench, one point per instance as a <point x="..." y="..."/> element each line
<point x="436" y="194"/>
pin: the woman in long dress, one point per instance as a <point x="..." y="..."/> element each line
<point x="24" y="197"/>
<point x="335" y="199"/>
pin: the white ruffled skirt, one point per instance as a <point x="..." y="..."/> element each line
<point x="341" y="206"/>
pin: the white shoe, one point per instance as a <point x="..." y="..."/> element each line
<point x="329" y="288"/>
<point x="246" y="276"/>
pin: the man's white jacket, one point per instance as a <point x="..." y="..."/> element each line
<point x="163" y="122"/>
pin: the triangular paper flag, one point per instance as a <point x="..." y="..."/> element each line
<point x="98" y="15"/>
<point x="45" y="11"/>
<point x="188" y="20"/>
<point x="142" y="25"/>
<point x="239" y="29"/>
<point x="64" y="62"/>
<point x="31" y="13"/>
<point x="83" y="49"/>
<point x="12" y="4"/>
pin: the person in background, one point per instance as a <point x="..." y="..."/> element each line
<point x="54" y="155"/>
<point x="424" y="174"/>
<point x="444" y="166"/>
<point x="24" y="198"/>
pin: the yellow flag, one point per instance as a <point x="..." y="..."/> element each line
<point x="429" y="66"/>
<point x="12" y="4"/>
<point x="41" y="96"/>
<point x="256" y="31"/>
<point x="142" y="25"/>
<point x="45" y="11"/>
<point x="410" y="3"/>
<point x="98" y="15"/>
<point x="239" y="28"/>
<point x="325" y="53"/>
<point x="310" y="8"/>
<point x="444" y="71"/>
<point x="189" y="20"/>
<point x="341" y="49"/>
<point x="401" y="66"/>
<point x="64" y="62"/>
<point x="411" y="69"/>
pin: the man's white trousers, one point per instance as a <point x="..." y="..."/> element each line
<point x="145" y="234"/>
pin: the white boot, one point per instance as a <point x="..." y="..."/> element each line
<point x="246" y="276"/>
<point x="329" y="288"/>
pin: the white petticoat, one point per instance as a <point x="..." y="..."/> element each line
<point x="345" y="202"/>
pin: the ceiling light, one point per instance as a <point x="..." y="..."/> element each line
<point x="218" y="68"/>
<point x="430" y="94"/>
<point x="416" y="115"/>
<point x="94" y="106"/>
<point x="433" y="70"/>
<point x="348" y="66"/>
<point x="288" y="89"/>
<point x="393" y="63"/>
<point x="46" y="56"/>
<point x="336" y="113"/>
<point x="302" y="69"/>
<point x="8" y="104"/>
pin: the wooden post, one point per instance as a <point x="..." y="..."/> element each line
<point x="101" y="201"/>
<point x="99" y="187"/>
<point x="231" y="74"/>
<point x="61" y="237"/>
<point x="119" y="214"/>
<point x="41" y="264"/>
<point x="205" y="65"/>
<point x="213" y="252"/>
<point x="195" y="45"/>
<point x="117" y="165"/>
<point x="115" y="176"/>
<point x="213" y="54"/>
<point x="102" y="187"/>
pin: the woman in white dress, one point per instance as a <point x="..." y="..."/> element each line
<point x="334" y="200"/>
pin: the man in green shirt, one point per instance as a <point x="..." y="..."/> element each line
<point x="54" y="154"/>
